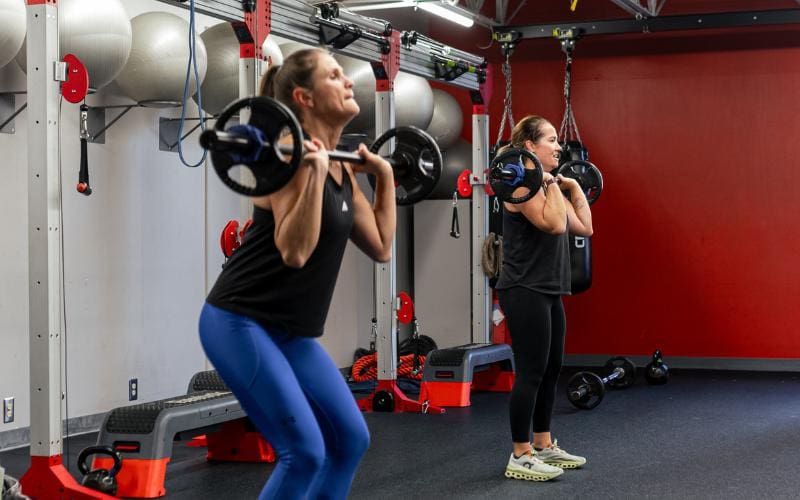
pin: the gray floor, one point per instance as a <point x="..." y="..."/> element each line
<point x="705" y="435"/>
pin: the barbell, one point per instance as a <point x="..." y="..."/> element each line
<point x="509" y="171"/>
<point x="261" y="146"/>
<point x="586" y="389"/>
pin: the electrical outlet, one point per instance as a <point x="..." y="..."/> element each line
<point x="8" y="410"/>
<point x="133" y="389"/>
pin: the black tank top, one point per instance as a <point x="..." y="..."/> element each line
<point x="533" y="258"/>
<point x="256" y="283"/>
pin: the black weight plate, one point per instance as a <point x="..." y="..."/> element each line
<point x="417" y="163"/>
<point x="628" y="378"/>
<point x="383" y="401"/>
<point x="504" y="182"/>
<point x="588" y="176"/>
<point x="269" y="169"/>
<point x="594" y="390"/>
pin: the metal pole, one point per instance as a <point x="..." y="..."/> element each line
<point x="386" y="273"/>
<point x="481" y="303"/>
<point x="44" y="233"/>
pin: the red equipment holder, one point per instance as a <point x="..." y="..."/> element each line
<point x="458" y="393"/>
<point x="235" y="442"/>
<point x="401" y="402"/>
<point x="138" y="478"/>
<point x="75" y="88"/>
<point x="47" y="478"/>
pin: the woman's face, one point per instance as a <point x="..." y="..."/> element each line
<point x="547" y="148"/>
<point x="333" y="91"/>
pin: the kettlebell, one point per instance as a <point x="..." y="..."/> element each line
<point x="657" y="372"/>
<point x="102" y="480"/>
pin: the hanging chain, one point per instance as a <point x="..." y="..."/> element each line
<point x="507" y="105"/>
<point x="569" y="127"/>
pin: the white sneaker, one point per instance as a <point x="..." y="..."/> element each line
<point x="530" y="468"/>
<point x="558" y="457"/>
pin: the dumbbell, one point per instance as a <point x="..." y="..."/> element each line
<point x="261" y="146"/>
<point x="586" y="389"/>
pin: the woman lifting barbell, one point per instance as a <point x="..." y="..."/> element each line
<point x="271" y="299"/>
<point x="534" y="276"/>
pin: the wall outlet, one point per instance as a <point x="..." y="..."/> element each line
<point x="8" y="410"/>
<point x="133" y="389"/>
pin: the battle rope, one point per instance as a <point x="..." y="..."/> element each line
<point x="366" y="367"/>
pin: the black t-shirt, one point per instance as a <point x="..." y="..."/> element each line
<point x="533" y="258"/>
<point x="256" y="283"/>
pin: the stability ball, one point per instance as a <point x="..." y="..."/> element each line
<point x="413" y="97"/>
<point x="272" y="52"/>
<point x="156" y="68"/>
<point x="221" y="84"/>
<point x="289" y="47"/>
<point x="12" y="29"/>
<point x="454" y="160"/>
<point x="98" y="32"/>
<point x="447" y="119"/>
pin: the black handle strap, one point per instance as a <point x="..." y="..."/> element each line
<point x="83" y="173"/>
<point x="455" y="231"/>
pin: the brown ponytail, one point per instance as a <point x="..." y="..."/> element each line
<point x="297" y="70"/>
<point x="530" y="128"/>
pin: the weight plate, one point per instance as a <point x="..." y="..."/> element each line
<point x="510" y="172"/>
<point x="585" y="390"/>
<point x="587" y="175"/>
<point x="268" y="167"/>
<point x="628" y="377"/>
<point x="417" y="163"/>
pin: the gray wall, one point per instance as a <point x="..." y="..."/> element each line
<point x="441" y="272"/>
<point x="139" y="255"/>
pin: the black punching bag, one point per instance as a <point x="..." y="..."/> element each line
<point x="580" y="247"/>
<point x="580" y="258"/>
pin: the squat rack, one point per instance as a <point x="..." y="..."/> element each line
<point x="386" y="49"/>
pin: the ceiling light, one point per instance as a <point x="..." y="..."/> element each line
<point x="382" y="5"/>
<point x="447" y="12"/>
<point x="446" y="9"/>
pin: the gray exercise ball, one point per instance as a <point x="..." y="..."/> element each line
<point x="13" y="26"/>
<point x="272" y="52"/>
<point x="156" y="68"/>
<point x="98" y="32"/>
<point x="455" y="160"/>
<point x="447" y="121"/>
<point x="221" y="84"/>
<point x="290" y="47"/>
<point x="413" y="97"/>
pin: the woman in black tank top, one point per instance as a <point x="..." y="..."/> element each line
<point x="272" y="298"/>
<point x="534" y="276"/>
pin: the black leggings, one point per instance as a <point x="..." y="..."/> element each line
<point x="537" y="325"/>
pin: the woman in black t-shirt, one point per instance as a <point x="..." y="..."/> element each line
<point x="534" y="276"/>
<point x="271" y="299"/>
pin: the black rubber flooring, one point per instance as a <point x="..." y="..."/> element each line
<point x="705" y="435"/>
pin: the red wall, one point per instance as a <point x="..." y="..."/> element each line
<point x="697" y="238"/>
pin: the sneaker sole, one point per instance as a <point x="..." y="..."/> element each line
<point x="511" y="474"/>
<point x="564" y="465"/>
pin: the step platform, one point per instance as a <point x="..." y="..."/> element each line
<point x="144" y="434"/>
<point x="451" y="374"/>
<point x="237" y="440"/>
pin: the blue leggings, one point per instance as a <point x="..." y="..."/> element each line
<point x="296" y="397"/>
